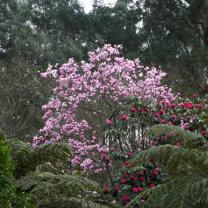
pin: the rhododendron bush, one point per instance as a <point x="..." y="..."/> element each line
<point x="189" y="114"/>
<point x="132" y="181"/>
<point x="90" y="100"/>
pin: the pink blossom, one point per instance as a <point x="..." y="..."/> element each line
<point x="108" y="122"/>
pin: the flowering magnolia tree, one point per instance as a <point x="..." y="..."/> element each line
<point x="90" y="96"/>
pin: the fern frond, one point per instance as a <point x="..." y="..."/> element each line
<point x="174" y="160"/>
<point x="176" y="134"/>
<point x="185" y="160"/>
<point x="51" y="152"/>
<point x="64" y="202"/>
<point x="159" y="153"/>
<point x="28" y="159"/>
<point x="54" y="157"/>
<point x="50" y="190"/>
<point x="181" y="192"/>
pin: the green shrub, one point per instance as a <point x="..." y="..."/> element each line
<point x="6" y="179"/>
<point x="22" y="200"/>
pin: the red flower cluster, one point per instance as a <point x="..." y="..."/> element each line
<point x="137" y="189"/>
<point x="189" y="105"/>
<point x="133" y="109"/>
<point x="132" y="183"/>
<point x="123" y="181"/>
<point x="152" y="185"/>
<point x="125" y="199"/>
<point x="106" y="189"/>
<point x="186" y="113"/>
<point x="124" y="117"/>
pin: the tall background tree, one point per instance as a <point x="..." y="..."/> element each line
<point x="33" y="34"/>
<point x="172" y="34"/>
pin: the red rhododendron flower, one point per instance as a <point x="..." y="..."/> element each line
<point x="116" y="188"/>
<point x="142" y="179"/>
<point x="137" y="189"/>
<point x="123" y="181"/>
<point x="125" y="199"/>
<point x="152" y="185"/>
<point x="102" y="151"/>
<point x="157" y="114"/>
<point x="106" y="158"/>
<point x="173" y="105"/>
<point x="189" y="105"/>
<point x="133" y="178"/>
<point x="182" y="105"/>
<point x="144" y="110"/>
<point x="106" y="188"/>
<point x="124" y="117"/>
<point x="200" y="105"/>
<point x="162" y="111"/>
<point x="168" y="105"/>
<point x="130" y="154"/>
<point x="203" y="132"/>
<point x="155" y="172"/>
<point x="133" y="109"/>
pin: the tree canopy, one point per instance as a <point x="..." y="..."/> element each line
<point x="172" y="34"/>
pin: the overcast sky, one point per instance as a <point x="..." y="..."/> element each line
<point x="87" y="4"/>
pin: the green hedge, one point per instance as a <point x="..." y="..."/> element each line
<point x="7" y="188"/>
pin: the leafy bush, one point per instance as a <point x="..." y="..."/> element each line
<point x="7" y="188"/>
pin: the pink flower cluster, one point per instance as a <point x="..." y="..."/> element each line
<point x="107" y="75"/>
